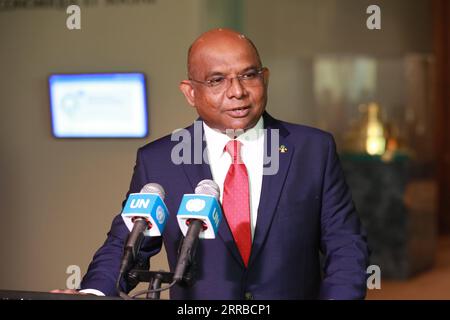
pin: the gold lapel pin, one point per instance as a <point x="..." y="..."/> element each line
<point x="283" y="149"/>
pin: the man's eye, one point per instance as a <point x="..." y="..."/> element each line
<point x="215" y="81"/>
<point x="249" y="75"/>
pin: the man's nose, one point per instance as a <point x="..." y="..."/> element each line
<point x="235" y="89"/>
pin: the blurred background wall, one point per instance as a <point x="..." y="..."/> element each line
<point x="57" y="197"/>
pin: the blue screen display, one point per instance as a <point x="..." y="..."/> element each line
<point x="102" y="105"/>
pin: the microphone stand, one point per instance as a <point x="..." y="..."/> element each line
<point x="154" y="285"/>
<point x="156" y="278"/>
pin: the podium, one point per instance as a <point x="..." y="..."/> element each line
<point x="34" y="295"/>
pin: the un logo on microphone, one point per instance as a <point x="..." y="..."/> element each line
<point x="216" y="218"/>
<point x="160" y="215"/>
<point x="195" y="205"/>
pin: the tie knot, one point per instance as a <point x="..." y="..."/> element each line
<point x="233" y="147"/>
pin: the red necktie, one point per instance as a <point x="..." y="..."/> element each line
<point x="236" y="201"/>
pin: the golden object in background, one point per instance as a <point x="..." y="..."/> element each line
<point x="369" y="135"/>
<point x="375" y="141"/>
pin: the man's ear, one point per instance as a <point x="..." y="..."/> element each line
<point x="266" y="76"/>
<point x="188" y="91"/>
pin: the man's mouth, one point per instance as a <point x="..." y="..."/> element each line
<point x="239" y="112"/>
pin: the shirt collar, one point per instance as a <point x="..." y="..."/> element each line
<point x="216" y="140"/>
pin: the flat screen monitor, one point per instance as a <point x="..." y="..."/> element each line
<point x="98" y="105"/>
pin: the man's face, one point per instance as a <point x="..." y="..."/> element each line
<point x="236" y="105"/>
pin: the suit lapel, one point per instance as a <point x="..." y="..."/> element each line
<point x="199" y="170"/>
<point x="272" y="184"/>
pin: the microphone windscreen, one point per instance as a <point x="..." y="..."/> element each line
<point x="208" y="187"/>
<point x="154" y="188"/>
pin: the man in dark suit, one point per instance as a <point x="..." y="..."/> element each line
<point x="279" y="216"/>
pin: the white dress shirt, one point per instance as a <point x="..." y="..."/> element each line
<point x="252" y="154"/>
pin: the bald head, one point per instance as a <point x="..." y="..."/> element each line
<point x="220" y="40"/>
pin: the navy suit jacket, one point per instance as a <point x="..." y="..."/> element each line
<point x="308" y="240"/>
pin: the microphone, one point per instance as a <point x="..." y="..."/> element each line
<point x="199" y="216"/>
<point x="144" y="214"/>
